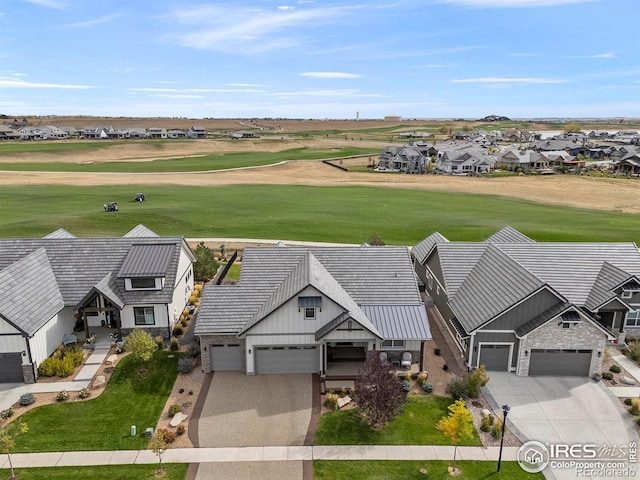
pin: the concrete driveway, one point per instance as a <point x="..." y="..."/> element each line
<point x="561" y="410"/>
<point x="263" y="410"/>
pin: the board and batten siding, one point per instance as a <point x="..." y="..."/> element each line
<point x="288" y="319"/>
<point x="252" y="341"/>
<point x="11" y="340"/>
<point x="182" y="289"/>
<point x="524" y="311"/>
<point x="159" y="312"/>
<point x="49" y="337"/>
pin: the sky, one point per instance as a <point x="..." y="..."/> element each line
<point x="320" y="59"/>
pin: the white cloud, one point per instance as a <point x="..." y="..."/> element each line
<point x="286" y="7"/>
<point x="57" y="4"/>
<point x="330" y="75"/>
<point x="178" y="95"/>
<point x="605" y="55"/>
<point x="248" y="30"/>
<point x="95" y="21"/>
<point x="503" y="80"/>
<point x="245" y="85"/>
<point x="525" y="55"/>
<point x="327" y="93"/>
<point x="8" y="83"/>
<point x="194" y="90"/>
<point x="512" y="3"/>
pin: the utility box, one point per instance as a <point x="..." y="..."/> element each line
<point x="133" y="430"/>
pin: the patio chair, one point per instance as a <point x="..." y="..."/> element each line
<point x="384" y="358"/>
<point x="406" y="360"/>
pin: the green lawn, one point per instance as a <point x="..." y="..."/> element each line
<point x="11" y="148"/>
<point x="289" y="212"/>
<point x="410" y="470"/>
<point x="174" y="471"/>
<point x="104" y="423"/>
<point x="200" y="163"/>
<point x="416" y="426"/>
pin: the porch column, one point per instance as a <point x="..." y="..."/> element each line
<point x="323" y="351"/>
<point x="116" y="313"/>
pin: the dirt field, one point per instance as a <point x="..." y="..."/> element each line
<point x="618" y="195"/>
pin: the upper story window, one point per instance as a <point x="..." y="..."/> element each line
<point x="309" y="313"/>
<point x="309" y="305"/>
<point x="143" y="283"/>
<point x="393" y="343"/>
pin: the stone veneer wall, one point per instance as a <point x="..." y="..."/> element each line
<point x="205" y="349"/>
<point x="580" y="336"/>
<point x="27" y="373"/>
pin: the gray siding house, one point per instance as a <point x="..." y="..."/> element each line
<point x="298" y="309"/>
<point x="517" y="305"/>
<point x="53" y="286"/>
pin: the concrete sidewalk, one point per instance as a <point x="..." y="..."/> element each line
<point x="253" y="454"/>
<point x="10" y="392"/>
<point x="634" y="371"/>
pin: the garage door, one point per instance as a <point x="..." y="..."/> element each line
<point x="302" y="359"/>
<point x="226" y="357"/>
<point x="495" y="357"/>
<point x="11" y="371"/>
<point x="573" y="363"/>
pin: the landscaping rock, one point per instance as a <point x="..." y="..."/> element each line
<point x="111" y="359"/>
<point x="177" y="419"/>
<point x="100" y="381"/>
<point x="344" y="401"/>
<point x="486" y="412"/>
<point x="627" y="380"/>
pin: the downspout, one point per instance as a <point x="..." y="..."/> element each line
<point x="30" y="357"/>
<point x="168" y="321"/>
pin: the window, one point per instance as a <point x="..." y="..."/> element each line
<point x="92" y="304"/>
<point x="144" y="315"/>
<point x="627" y="294"/>
<point x="309" y="313"/>
<point x="393" y="343"/>
<point x="633" y="318"/>
<point x="437" y="289"/>
<point x="143" y="283"/>
<point x="430" y="282"/>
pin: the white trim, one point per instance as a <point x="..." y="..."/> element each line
<point x="472" y="338"/>
<point x="627" y="294"/>
<point x="435" y="277"/>
<point x="509" y="367"/>
<point x="582" y="315"/>
<point x="493" y="331"/>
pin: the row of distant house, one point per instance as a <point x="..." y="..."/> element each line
<point x="470" y="157"/>
<point x="103" y="132"/>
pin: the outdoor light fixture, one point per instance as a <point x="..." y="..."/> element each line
<point x="24" y="353"/>
<point x="599" y="353"/>
<point x="505" y="412"/>
<point x="526" y="353"/>
<point x="249" y="351"/>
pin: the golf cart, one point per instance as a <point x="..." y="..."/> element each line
<point x="111" y="207"/>
<point x="139" y="197"/>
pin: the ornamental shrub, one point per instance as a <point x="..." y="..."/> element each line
<point x="458" y="388"/>
<point x="406" y="385"/>
<point x="485" y="425"/>
<point x="8" y="413"/>
<point x="173" y="409"/>
<point x="331" y="401"/>
<point x="634" y="409"/>
<point x="607" y="375"/>
<point x="180" y="430"/>
<point x="628" y="401"/>
<point x="76" y="355"/>
<point x="168" y="436"/>
<point x="496" y="430"/>
<point x="62" y="396"/>
<point x="84" y="393"/>
<point x="65" y="367"/>
<point x="427" y="387"/>
<point x="185" y="365"/>
<point x="178" y="330"/>
<point x="615" y="368"/>
<point x="47" y="367"/>
<point x="27" y="399"/>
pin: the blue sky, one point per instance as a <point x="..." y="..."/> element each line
<point x="320" y="59"/>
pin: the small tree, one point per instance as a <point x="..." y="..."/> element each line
<point x="375" y="241"/>
<point x="159" y="445"/>
<point x="8" y="434"/>
<point x="378" y="392"/>
<point x="457" y="426"/>
<point x="206" y="265"/>
<point x="572" y="128"/>
<point x="141" y="345"/>
<point x="477" y="379"/>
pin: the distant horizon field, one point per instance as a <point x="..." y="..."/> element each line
<point x="345" y="214"/>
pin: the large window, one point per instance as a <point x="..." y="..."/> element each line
<point x="393" y="343"/>
<point x="144" y="315"/>
<point x="143" y="283"/>
<point x="633" y="318"/>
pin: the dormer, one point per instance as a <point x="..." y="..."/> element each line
<point x="630" y="288"/>
<point x="145" y="266"/>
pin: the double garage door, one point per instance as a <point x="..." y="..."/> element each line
<point x="571" y="363"/>
<point x="11" y="368"/>
<point x="300" y="359"/>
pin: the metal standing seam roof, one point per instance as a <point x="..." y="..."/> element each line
<point x="60" y="233"/>
<point x="399" y="322"/>
<point x="508" y="235"/>
<point x="608" y="278"/>
<point x="29" y="294"/>
<point x="495" y="283"/>
<point x="457" y="259"/>
<point x="146" y="261"/>
<point x="140" y="231"/>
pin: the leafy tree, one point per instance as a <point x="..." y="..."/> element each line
<point x="572" y="128"/>
<point x="375" y="241"/>
<point x="206" y="265"/>
<point x="378" y="392"/>
<point x="8" y="434"/>
<point x="159" y="445"/>
<point x="445" y="129"/>
<point x="141" y="345"/>
<point x="457" y="426"/>
<point x="477" y="379"/>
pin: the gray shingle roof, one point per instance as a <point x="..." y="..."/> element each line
<point x="79" y="264"/>
<point x="509" y="235"/>
<point x="146" y="261"/>
<point x="609" y="277"/>
<point x="29" y="295"/>
<point x="422" y="249"/>
<point x="496" y="283"/>
<point x="60" y="233"/>
<point x="271" y="276"/>
<point x="457" y="259"/>
<point x="140" y="231"/>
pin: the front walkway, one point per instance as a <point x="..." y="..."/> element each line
<point x="10" y="392"/>
<point x="631" y="367"/>
<point x="258" y="454"/>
